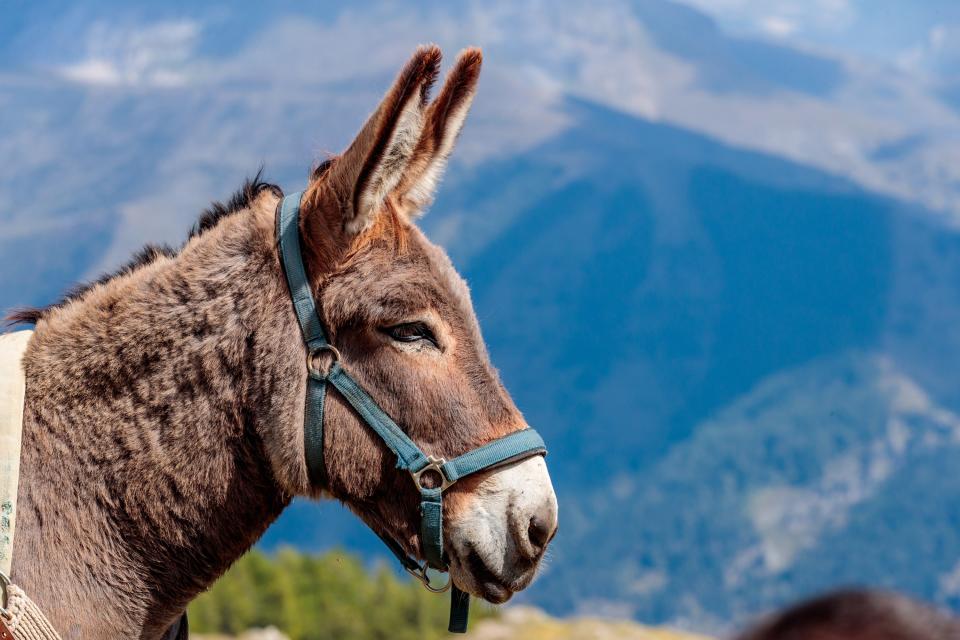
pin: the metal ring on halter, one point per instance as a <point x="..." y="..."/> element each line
<point x="332" y="350"/>
<point x="433" y="464"/>
<point x="420" y="573"/>
<point x="4" y="600"/>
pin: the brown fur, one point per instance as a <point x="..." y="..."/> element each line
<point x="163" y="429"/>
<point x="857" y="615"/>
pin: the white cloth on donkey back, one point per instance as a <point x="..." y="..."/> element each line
<point x="21" y="616"/>
<point x="12" y="388"/>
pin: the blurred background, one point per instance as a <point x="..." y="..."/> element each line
<point x="714" y="246"/>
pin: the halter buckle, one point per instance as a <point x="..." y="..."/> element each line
<point x="420" y="573"/>
<point x="433" y="464"/>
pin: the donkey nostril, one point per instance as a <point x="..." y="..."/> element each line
<point x="539" y="533"/>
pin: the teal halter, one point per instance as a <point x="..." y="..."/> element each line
<point x="410" y="458"/>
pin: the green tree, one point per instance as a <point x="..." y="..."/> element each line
<point x="320" y="597"/>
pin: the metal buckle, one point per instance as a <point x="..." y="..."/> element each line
<point x="420" y="573"/>
<point x="433" y="464"/>
<point x="314" y="353"/>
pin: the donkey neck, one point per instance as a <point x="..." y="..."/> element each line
<point x="151" y="432"/>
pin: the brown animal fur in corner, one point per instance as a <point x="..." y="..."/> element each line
<point x="857" y="615"/>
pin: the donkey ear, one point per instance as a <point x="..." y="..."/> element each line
<point x="374" y="162"/>
<point x="444" y="121"/>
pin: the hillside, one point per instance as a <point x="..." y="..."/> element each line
<point x="834" y="472"/>
<point x="329" y="596"/>
<point x="525" y="623"/>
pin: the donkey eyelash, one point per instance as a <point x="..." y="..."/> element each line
<point x="411" y="332"/>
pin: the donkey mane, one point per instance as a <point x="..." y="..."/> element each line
<point x="240" y="201"/>
<point x="209" y="218"/>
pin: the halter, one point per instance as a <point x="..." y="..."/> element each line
<point x="516" y="446"/>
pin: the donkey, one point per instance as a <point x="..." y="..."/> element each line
<point x="163" y="426"/>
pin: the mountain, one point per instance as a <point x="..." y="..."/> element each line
<point x="718" y="272"/>
<point x="835" y="472"/>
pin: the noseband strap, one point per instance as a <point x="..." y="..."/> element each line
<point x="516" y="446"/>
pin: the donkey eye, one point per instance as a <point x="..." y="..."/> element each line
<point x="411" y="332"/>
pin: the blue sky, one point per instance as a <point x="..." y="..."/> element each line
<point x="916" y="36"/>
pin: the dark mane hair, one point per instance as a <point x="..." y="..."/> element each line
<point x="209" y="218"/>
<point x="240" y="200"/>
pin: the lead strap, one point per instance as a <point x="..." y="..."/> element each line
<point x="459" y="610"/>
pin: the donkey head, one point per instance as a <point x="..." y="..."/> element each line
<point x="402" y="319"/>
